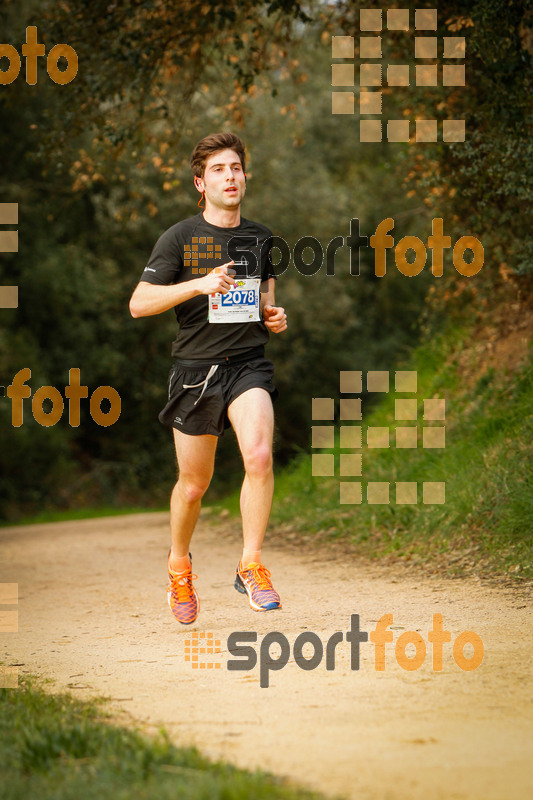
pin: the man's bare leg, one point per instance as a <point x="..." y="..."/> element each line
<point x="252" y="417"/>
<point x="196" y="459"/>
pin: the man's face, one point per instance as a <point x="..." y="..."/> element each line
<point x="223" y="182"/>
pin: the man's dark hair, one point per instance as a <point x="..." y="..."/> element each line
<point x="213" y="144"/>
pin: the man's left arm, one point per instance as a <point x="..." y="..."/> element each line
<point x="274" y="316"/>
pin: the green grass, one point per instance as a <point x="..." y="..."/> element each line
<point x="486" y="522"/>
<point x="54" y="747"/>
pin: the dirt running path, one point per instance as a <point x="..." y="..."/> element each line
<point x="93" y="616"/>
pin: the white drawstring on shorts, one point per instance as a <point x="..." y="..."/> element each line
<point x="212" y="369"/>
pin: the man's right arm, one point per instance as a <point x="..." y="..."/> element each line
<point x="149" y="298"/>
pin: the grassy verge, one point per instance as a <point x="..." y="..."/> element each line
<point x="54" y="746"/>
<point x="486" y="522"/>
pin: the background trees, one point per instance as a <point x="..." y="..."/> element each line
<point x="99" y="168"/>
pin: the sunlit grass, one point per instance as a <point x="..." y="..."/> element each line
<point x="487" y="466"/>
<point x="54" y="747"/>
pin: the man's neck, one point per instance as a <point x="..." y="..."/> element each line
<point x="222" y="218"/>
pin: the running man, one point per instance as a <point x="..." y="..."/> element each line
<point x="224" y="303"/>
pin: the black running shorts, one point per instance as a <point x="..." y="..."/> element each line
<point x="208" y="415"/>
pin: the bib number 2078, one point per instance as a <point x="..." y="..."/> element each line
<point x="239" y="298"/>
<point x="240" y="304"/>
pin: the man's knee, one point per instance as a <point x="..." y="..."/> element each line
<point x="191" y="489"/>
<point x="258" y="460"/>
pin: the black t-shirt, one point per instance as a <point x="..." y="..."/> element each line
<point x="189" y="250"/>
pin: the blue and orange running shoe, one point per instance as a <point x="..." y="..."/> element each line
<point x="254" y="580"/>
<point x="181" y="595"/>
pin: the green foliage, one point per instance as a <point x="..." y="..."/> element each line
<point x="485" y="184"/>
<point x="99" y="169"/>
<point x="83" y="253"/>
<point x="58" y="747"/>
<point x="485" y="521"/>
<point x="128" y="50"/>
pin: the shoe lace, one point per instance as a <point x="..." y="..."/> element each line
<point x="261" y="575"/>
<point x="181" y="586"/>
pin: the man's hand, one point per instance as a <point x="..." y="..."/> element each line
<point x="275" y="318"/>
<point x="218" y="280"/>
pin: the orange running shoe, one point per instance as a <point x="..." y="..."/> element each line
<point x="254" y="580"/>
<point x="181" y="595"/>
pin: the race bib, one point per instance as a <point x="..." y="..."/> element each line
<point x="240" y="304"/>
